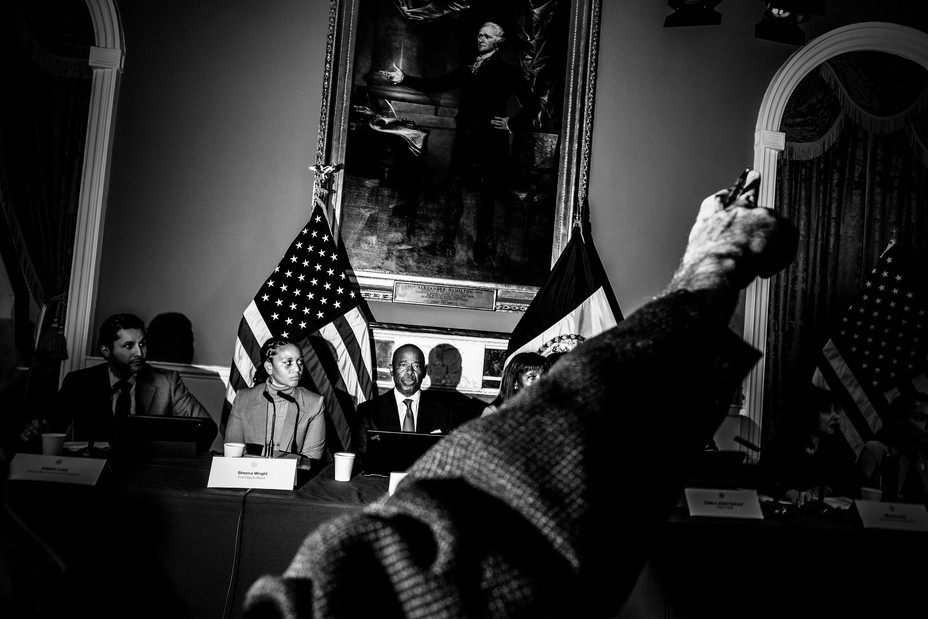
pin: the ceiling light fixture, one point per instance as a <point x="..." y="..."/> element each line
<point x="693" y="13"/>
<point x="781" y="19"/>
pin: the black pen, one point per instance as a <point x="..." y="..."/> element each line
<point x="736" y="189"/>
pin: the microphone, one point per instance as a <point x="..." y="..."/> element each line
<point x="269" y="442"/>
<point x="746" y="443"/>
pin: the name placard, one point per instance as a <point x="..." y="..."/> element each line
<point x="469" y="297"/>
<point x="900" y="516"/>
<point x="395" y="479"/>
<point x="62" y="469"/>
<point x="261" y="473"/>
<point x="723" y="503"/>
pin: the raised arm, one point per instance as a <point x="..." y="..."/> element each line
<point x="553" y="505"/>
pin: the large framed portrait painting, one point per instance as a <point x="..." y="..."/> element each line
<point x="460" y="134"/>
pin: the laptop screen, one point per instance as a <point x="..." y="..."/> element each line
<point x="161" y="436"/>
<point x="395" y="451"/>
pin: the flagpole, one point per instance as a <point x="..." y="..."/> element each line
<point x="322" y="177"/>
<point x="581" y="217"/>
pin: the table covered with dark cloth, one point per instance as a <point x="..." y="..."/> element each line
<point x="798" y="563"/>
<point x="276" y="522"/>
<point x="151" y="540"/>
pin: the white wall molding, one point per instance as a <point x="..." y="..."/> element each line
<point x="105" y="58"/>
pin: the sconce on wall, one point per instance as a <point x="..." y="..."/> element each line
<point x="781" y="19"/>
<point x="693" y="13"/>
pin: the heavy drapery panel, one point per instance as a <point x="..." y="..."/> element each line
<point x="853" y="176"/>
<point x="43" y="125"/>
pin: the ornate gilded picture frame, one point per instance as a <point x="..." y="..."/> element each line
<point x="458" y="360"/>
<point x="433" y="206"/>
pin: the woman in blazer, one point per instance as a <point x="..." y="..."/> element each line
<point x="277" y="413"/>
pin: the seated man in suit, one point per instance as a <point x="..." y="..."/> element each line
<point x="93" y="401"/>
<point x="405" y="407"/>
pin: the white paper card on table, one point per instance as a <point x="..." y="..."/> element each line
<point x="723" y="503"/>
<point x="260" y="473"/>
<point x="62" y="469"/>
<point x="395" y="478"/>
<point x="900" y="516"/>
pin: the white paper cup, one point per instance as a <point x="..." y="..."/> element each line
<point x="52" y="442"/>
<point x="233" y="450"/>
<point x="343" y="462"/>
<point x="871" y="494"/>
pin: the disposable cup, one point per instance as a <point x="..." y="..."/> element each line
<point x="52" y="442"/>
<point x="233" y="450"/>
<point x="344" y="461"/>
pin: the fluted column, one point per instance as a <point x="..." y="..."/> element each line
<point x="107" y="64"/>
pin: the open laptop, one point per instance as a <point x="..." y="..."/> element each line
<point x="389" y="452"/>
<point x="156" y="436"/>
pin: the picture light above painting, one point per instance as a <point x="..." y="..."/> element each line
<point x="463" y="134"/>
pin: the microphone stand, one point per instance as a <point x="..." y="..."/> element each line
<point x="296" y="422"/>
<point x="269" y="443"/>
<point x="269" y="449"/>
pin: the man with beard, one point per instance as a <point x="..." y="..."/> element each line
<point x="93" y="401"/>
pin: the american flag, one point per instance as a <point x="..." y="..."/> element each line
<point x="312" y="297"/>
<point x="880" y="346"/>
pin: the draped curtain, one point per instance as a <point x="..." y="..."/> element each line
<point x="852" y="178"/>
<point x="43" y="125"/>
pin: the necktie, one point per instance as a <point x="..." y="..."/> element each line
<point x="123" y="406"/>
<point x="409" y="422"/>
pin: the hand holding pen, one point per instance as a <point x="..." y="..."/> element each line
<point x="743" y="189"/>
<point x="744" y="194"/>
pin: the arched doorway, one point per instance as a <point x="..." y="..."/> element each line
<point x="770" y="141"/>
<point x="106" y="60"/>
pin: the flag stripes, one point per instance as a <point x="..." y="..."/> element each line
<point x="313" y="299"/>
<point x="880" y="346"/>
<point x="858" y="420"/>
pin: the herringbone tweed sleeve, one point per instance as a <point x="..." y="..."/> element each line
<point x="549" y="507"/>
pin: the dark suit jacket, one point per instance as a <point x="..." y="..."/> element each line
<point x="484" y="95"/>
<point x="381" y="413"/>
<point x="576" y="477"/>
<point x="85" y="400"/>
